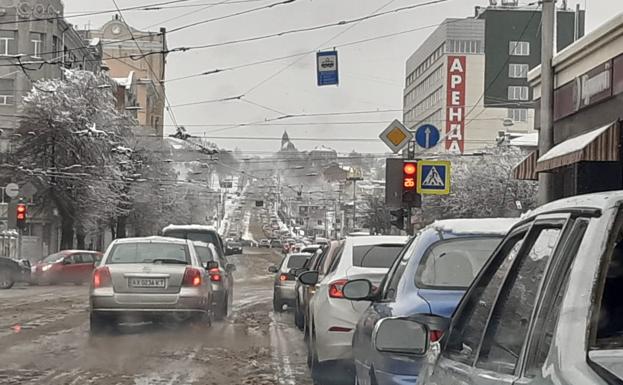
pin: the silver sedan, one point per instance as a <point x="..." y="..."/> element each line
<point x="151" y="278"/>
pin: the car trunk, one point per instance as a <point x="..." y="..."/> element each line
<point x="442" y="302"/>
<point x="147" y="278"/>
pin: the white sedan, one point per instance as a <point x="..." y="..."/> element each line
<point x="332" y="317"/>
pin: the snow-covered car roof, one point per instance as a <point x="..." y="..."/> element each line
<point x="494" y="226"/>
<point x="189" y="227"/>
<point x="376" y="240"/>
<point x="156" y="239"/>
<point x="602" y="201"/>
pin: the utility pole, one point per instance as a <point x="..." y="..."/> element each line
<point x="546" y="133"/>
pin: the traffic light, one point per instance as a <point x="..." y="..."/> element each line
<point x="398" y="218"/>
<point x="409" y="183"/>
<point x="21" y="216"/>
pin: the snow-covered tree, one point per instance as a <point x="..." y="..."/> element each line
<point x="483" y="186"/>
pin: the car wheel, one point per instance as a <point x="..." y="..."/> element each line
<point x="299" y="319"/>
<point x="277" y="305"/>
<point x="6" y="280"/>
<point x="98" y="324"/>
<point x="314" y="365"/>
<point x="221" y="312"/>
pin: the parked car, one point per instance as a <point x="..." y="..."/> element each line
<point x="12" y="271"/>
<point x="275" y="244"/>
<point x="429" y="277"/>
<point x="265" y="243"/>
<point x="248" y="243"/>
<point x="152" y="278"/>
<point x="332" y="318"/>
<point x="67" y="266"/>
<point x="199" y="233"/>
<point x="320" y="262"/>
<point x="221" y="278"/>
<point x="285" y="276"/>
<point x="233" y="248"/>
<point x="545" y="309"/>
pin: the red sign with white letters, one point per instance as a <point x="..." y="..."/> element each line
<point x="455" y="111"/>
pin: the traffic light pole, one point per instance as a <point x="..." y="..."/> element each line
<point x="19" y="243"/>
<point x="409" y="221"/>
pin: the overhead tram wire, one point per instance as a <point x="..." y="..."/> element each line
<point x="151" y="69"/>
<point x="188" y="13"/>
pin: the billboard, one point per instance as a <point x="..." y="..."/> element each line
<point x="455" y="110"/>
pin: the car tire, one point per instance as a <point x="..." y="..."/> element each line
<point x="6" y="280"/>
<point x="98" y="324"/>
<point x="277" y="305"/>
<point x="299" y="319"/>
<point x="221" y="311"/>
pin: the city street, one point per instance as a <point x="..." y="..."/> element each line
<point x="44" y="339"/>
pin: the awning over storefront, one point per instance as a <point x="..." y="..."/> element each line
<point x="600" y="145"/>
<point x="526" y="170"/>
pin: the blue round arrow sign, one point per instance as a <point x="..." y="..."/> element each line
<point x="427" y="136"/>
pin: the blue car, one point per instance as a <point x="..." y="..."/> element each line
<point x="429" y="277"/>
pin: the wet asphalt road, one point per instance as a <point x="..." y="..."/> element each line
<point x="44" y="339"/>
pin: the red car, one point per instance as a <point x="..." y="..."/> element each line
<point x="73" y="266"/>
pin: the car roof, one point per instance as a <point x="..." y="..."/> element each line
<point x="78" y="251"/>
<point x="299" y="255"/>
<point x="376" y="240"/>
<point x="153" y="239"/>
<point x="480" y="226"/>
<point x="190" y="228"/>
<point x="600" y="201"/>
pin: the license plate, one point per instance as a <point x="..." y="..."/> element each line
<point x="147" y="282"/>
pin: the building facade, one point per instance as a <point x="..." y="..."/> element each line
<point x="34" y="32"/>
<point x="444" y="87"/>
<point x="588" y="110"/>
<point x="127" y="50"/>
<point x="512" y="44"/>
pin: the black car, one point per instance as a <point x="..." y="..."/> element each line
<point x="233" y="248"/>
<point x="12" y="271"/>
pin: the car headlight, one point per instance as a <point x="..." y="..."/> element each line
<point x="46" y="267"/>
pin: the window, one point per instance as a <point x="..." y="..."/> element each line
<point x="7" y="92"/>
<point x="508" y="325"/>
<point x="518" y="71"/>
<point x="56" y="46"/>
<point x="549" y="310"/>
<point x="518" y="114"/>
<point x="467" y="330"/>
<point x="375" y="256"/>
<point x="36" y="41"/>
<point x="517" y="93"/>
<point x="297" y="261"/>
<point x="148" y="253"/>
<point x="453" y="264"/>
<point x="204" y="254"/>
<point x="332" y="259"/>
<point x="519" y="48"/>
<point x="8" y="43"/>
<point x="87" y="258"/>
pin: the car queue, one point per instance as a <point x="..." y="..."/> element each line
<point x="472" y="301"/>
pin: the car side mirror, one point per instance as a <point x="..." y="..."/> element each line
<point x="309" y="278"/>
<point x="358" y="290"/>
<point x="299" y="271"/>
<point x="273" y="269"/>
<point x="400" y="336"/>
<point x="230" y="268"/>
<point x="211" y="265"/>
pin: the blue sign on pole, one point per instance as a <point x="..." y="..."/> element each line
<point x="427" y="136"/>
<point x="327" y="68"/>
<point x="433" y="177"/>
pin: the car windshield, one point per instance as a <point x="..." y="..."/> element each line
<point x="53" y="258"/>
<point x="297" y="261"/>
<point x="148" y="253"/>
<point x="375" y="256"/>
<point x="453" y="264"/>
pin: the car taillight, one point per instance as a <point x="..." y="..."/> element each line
<point x="335" y="288"/>
<point x="215" y="275"/>
<point x="101" y="277"/>
<point x="192" y="277"/>
<point x="435" y="335"/>
<point x="283" y="277"/>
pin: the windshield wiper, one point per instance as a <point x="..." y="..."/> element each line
<point x="169" y="261"/>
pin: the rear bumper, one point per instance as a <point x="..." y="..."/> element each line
<point x="187" y="300"/>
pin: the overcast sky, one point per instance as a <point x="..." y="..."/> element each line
<point x="372" y="73"/>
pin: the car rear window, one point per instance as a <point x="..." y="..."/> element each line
<point x="453" y="264"/>
<point x="148" y="253"/>
<point x="375" y="256"/>
<point x="202" y="236"/>
<point x="296" y="261"/>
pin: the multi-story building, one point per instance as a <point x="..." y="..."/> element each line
<point x="445" y="83"/>
<point x="513" y="47"/>
<point x="32" y="32"/>
<point x="128" y="50"/>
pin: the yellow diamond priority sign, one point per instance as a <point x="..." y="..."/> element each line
<point x="396" y="136"/>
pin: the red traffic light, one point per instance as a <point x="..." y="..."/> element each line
<point x="21" y="211"/>
<point x="410" y="169"/>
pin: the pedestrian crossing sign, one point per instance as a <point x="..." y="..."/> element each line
<point x="433" y="177"/>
